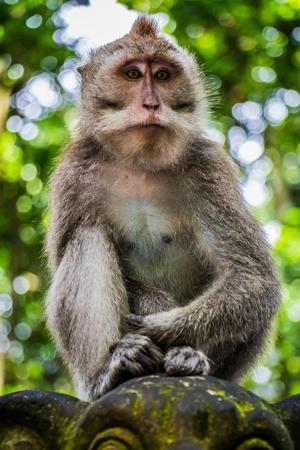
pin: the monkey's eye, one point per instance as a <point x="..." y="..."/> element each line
<point x="162" y="75"/>
<point x="133" y="74"/>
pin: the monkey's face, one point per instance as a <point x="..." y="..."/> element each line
<point x="144" y="106"/>
<point x="145" y="83"/>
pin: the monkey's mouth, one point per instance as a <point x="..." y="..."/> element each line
<point x="148" y="124"/>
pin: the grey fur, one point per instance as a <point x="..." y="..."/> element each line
<point x="132" y="356"/>
<point x="157" y="231"/>
<point x="185" y="361"/>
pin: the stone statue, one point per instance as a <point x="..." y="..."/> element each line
<point x="151" y="413"/>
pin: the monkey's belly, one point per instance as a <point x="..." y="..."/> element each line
<point x="155" y="253"/>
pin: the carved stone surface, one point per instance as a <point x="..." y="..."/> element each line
<point x="151" y="413"/>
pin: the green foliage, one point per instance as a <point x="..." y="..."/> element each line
<point x="251" y="53"/>
<point x="26" y="164"/>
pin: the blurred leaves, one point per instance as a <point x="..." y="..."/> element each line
<point x="28" y="148"/>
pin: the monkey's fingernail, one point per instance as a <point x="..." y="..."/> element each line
<point x="113" y="347"/>
<point x="131" y="319"/>
<point x="130" y="316"/>
<point x="170" y="371"/>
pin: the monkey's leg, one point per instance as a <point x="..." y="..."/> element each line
<point x="144" y="300"/>
<point x="232" y="359"/>
<point x="185" y="361"/>
<point x="229" y="360"/>
<point x="133" y="356"/>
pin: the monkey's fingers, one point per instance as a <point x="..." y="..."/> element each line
<point x="134" y="321"/>
<point x="140" y="348"/>
<point x="121" y="369"/>
<point x="154" y="327"/>
<point x="180" y="361"/>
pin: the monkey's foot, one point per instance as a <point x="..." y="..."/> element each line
<point x="185" y="361"/>
<point x="133" y="356"/>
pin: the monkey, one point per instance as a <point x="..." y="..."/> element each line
<point x="158" y="265"/>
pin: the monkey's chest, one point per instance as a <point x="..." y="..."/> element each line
<point x="154" y="247"/>
<point x="145" y="231"/>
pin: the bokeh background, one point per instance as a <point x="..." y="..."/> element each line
<point x="250" y="50"/>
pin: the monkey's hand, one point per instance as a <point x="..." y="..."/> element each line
<point x="167" y="329"/>
<point x="180" y="361"/>
<point x="172" y="335"/>
<point x="133" y="356"/>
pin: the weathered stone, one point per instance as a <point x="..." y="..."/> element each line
<point x="289" y="411"/>
<point x="37" y="420"/>
<point x="153" y="412"/>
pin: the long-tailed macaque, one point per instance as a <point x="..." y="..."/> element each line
<point x="158" y="265"/>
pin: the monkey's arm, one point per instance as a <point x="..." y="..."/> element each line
<point x="86" y="308"/>
<point x="238" y="303"/>
<point x="86" y="305"/>
<point x="244" y="296"/>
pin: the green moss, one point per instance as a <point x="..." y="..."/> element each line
<point x="11" y="438"/>
<point x="137" y="404"/>
<point x="244" y="408"/>
<point x="68" y="426"/>
<point x="283" y="413"/>
<point x="157" y="413"/>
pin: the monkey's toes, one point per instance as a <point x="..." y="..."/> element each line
<point x="180" y="361"/>
<point x="136" y="349"/>
<point x="134" y="368"/>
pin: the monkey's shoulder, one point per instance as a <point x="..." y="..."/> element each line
<point x="209" y="161"/>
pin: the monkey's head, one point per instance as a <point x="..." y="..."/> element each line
<point x="142" y="97"/>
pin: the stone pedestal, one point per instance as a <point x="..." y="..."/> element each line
<point x="151" y="413"/>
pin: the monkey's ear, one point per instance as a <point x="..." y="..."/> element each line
<point x="144" y="25"/>
<point x="82" y="69"/>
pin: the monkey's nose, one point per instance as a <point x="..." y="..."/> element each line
<point x="151" y="106"/>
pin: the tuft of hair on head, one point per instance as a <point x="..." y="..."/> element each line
<point x="144" y="26"/>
